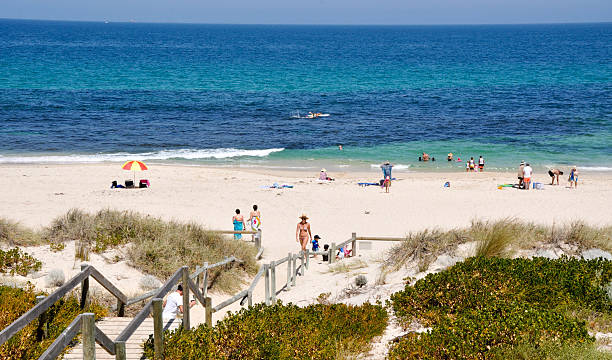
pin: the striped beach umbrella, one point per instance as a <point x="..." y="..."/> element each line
<point x="134" y="165"/>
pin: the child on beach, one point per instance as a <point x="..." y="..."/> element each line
<point x="573" y="177"/>
<point x="315" y="243"/>
<point x="387" y="183"/>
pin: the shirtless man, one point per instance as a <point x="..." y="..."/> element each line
<point x="425" y="156"/>
<point x="554" y="173"/>
<point x="302" y="233"/>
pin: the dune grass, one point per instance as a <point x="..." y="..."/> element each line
<point x="152" y="245"/>
<point x="13" y="233"/>
<point x="495" y="238"/>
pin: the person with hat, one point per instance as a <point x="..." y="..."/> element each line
<point x="323" y="175"/>
<point x="302" y="232"/>
<point x="520" y="173"/>
<point x="386" y="169"/>
<point x="174" y="304"/>
<point x="315" y="243"/>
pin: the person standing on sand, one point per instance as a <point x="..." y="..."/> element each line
<point x="239" y="225"/>
<point x="481" y="164"/>
<point x="472" y="164"/>
<point x="254" y="220"/>
<point x="573" y="177"/>
<point x="302" y="233"/>
<point x="527" y="172"/>
<point x="520" y="173"/>
<point x="386" y="169"/>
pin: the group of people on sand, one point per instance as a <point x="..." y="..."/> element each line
<point x="254" y="221"/>
<point x="471" y="166"/>
<point x="525" y="175"/>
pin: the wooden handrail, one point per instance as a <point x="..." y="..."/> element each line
<point x="42" y="306"/>
<point x="252" y="232"/>
<point x="63" y="340"/>
<point x="139" y="318"/>
<point x="230" y="301"/>
<point x="379" y="238"/>
<point x="108" y="285"/>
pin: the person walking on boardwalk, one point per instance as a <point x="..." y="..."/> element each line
<point x="303" y="235"/>
<point x="254" y="220"/>
<point x="239" y="225"/>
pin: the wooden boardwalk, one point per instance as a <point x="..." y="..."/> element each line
<point x="112" y="327"/>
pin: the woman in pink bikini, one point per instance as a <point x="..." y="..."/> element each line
<point x="302" y="233"/>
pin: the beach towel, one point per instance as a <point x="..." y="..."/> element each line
<point x="255" y="223"/>
<point x="238" y="227"/>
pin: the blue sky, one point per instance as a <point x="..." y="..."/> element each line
<point x="315" y="11"/>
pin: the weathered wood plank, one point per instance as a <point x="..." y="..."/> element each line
<point x="102" y="280"/>
<point x="230" y="301"/>
<point x="196" y="291"/>
<point x="42" y="306"/>
<point x="144" y="313"/>
<point x="104" y="341"/>
<point x="379" y="238"/>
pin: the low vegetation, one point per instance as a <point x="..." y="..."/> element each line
<point x="14" y="234"/>
<point x="155" y="246"/>
<point x="488" y="306"/>
<point x="34" y="339"/>
<point x="280" y="332"/>
<point x="495" y="238"/>
<point x="15" y="261"/>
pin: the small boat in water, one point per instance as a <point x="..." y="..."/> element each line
<point x="310" y="115"/>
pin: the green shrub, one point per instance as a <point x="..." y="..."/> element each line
<point x="280" y="332"/>
<point x="157" y="247"/>
<point x="14" y="302"/>
<point x="15" y="261"/>
<point x="485" y="304"/>
<point x="550" y="351"/>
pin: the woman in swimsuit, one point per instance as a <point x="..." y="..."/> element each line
<point x="238" y="221"/>
<point x="302" y="233"/>
<point x="254" y="220"/>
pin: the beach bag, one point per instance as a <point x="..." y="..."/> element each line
<point x="129" y="184"/>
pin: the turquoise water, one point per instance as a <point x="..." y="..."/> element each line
<point x="224" y="94"/>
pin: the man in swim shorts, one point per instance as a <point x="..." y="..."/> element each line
<point x="527" y="172"/>
<point x="302" y="232"/>
<point x="554" y="173"/>
<point x="481" y="164"/>
<point x="449" y="157"/>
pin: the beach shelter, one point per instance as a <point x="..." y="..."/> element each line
<point x="134" y="165"/>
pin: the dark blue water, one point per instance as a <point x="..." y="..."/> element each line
<point x="72" y="91"/>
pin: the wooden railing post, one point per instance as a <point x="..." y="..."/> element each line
<point x="307" y="258"/>
<point x="273" y="282"/>
<point x="205" y="281"/>
<point x="208" y="312"/>
<point x="84" y="289"/>
<point x="258" y="239"/>
<point x="158" y="329"/>
<point x="302" y="260"/>
<point x="267" y="283"/>
<point x="120" y="353"/>
<point x="288" y="286"/>
<point x="294" y="270"/>
<point x="186" y="307"/>
<point x="197" y="280"/>
<point x="250" y="297"/>
<point x="88" y="334"/>
<point x="332" y="253"/>
<point x="354" y="244"/>
<point x="42" y="330"/>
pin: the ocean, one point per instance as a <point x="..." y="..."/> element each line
<point x="228" y="94"/>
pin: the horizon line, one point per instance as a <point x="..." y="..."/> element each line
<point x="304" y="24"/>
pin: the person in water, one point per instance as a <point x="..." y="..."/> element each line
<point x="573" y="177"/>
<point x="339" y="147"/>
<point x="254" y="220"/>
<point x="425" y="156"/>
<point x="302" y="233"/>
<point x="554" y="173"/>
<point x="449" y="157"/>
<point x="239" y="225"/>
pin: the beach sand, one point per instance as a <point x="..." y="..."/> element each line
<point x="35" y="194"/>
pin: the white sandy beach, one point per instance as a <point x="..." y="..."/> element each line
<point x="35" y="194"/>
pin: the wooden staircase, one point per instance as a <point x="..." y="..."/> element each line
<point x="112" y="327"/>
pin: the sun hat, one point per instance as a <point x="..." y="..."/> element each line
<point x="317" y="237"/>
<point x="323" y="170"/>
<point x="303" y="216"/>
<point x="387" y="162"/>
<point x="523" y="162"/>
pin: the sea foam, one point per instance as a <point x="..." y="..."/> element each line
<point x="186" y="154"/>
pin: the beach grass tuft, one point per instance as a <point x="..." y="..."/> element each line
<point x="496" y="238"/>
<point x="13" y="233"/>
<point x="154" y="246"/>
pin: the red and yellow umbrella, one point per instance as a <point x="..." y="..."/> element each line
<point x="134" y="165"/>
